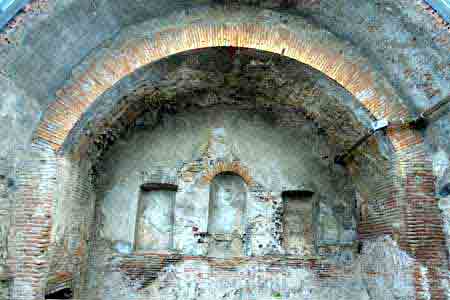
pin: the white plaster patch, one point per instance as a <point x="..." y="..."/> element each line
<point x="440" y="163"/>
<point x="425" y="293"/>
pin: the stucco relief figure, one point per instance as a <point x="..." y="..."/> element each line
<point x="155" y="220"/>
<point x="226" y="215"/>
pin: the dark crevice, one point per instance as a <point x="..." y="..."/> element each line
<point x="61" y="294"/>
<point x="445" y="190"/>
<point x="298" y="194"/>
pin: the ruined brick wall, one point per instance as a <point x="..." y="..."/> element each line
<point x="19" y="114"/>
<point x="36" y="183"/>
<point x="417" y="72"/>
<point x="51" y="226"/>
<point x="404" y="275"/>
<point x="118" y="270"/>
<point x="73" y="212"/>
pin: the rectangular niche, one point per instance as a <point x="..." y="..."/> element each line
<point x="228" y="197"/>
<point x="155" y="217"/>
<point x="298" y="230"/>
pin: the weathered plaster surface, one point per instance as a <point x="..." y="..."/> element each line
<point x="381" y="271"/>
<point x="388" y="271"/>
<point x="183" y="138"/>
<point x="250" y="280"/>
<point x="398" y="39"/>
<point x="197" y="142"/>
<point x="154" y="222"/>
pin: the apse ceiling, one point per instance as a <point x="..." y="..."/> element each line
<point x="245" y="78"/>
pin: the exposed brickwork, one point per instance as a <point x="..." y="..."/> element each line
<point x="222" y="167"/>
<point x="36" y="183"/>
<point x="73" y="210"/>
<point x="423" y="235"/>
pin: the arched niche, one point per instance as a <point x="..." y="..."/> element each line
<point x="227" y="215"/>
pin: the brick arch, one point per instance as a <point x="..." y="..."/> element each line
<point x="234" y="168"/>
<point x="131" y="50"/>
<point x="294" y="38"/>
